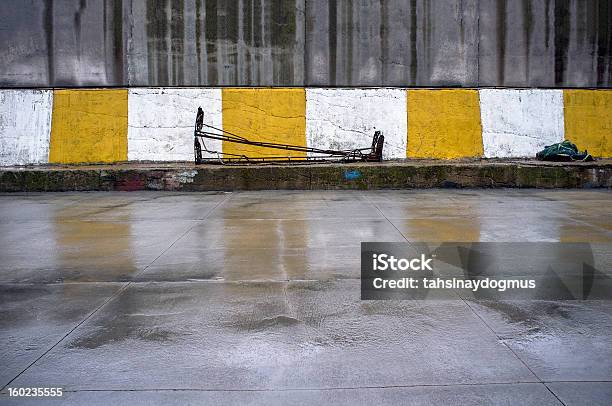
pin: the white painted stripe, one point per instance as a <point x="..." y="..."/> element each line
<point x="347" y="119"/>
<point x="25" y="126"/>
<point x="519" y="123"/>
<point x="161" y="121"/>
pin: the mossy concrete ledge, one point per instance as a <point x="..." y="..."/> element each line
<point x="388" y="175"/>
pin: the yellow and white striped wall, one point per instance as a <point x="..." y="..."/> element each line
<point x="156" y="124"/>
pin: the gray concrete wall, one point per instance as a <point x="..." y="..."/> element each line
<point x="530" y="43"/>
<point x="63" y="43"/>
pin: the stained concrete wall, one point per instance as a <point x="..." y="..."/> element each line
<point x="46" y="43"/>
<point x="392" y="43"/>
<point x="216" y="42"/>
<point x="466" y="43"/>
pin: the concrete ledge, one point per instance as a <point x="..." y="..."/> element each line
<point x="387" y="175"/>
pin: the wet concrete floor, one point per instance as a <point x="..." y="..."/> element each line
<point x="253" y="297"/>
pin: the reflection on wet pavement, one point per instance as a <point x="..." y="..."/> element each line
<point x="216" y="295"/>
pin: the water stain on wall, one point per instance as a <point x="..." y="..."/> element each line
<point x="465" y="43"/>
<point x="243" y="42"/>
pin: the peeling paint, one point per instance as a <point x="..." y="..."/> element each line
<point x="352" y="175"/>
<point x="444" y="124"/>
<point x="161" y="122"/>
<point x="25" y="126"/>
<point x="588" y="120"/>
<point x="186" y="176"/>
<point x="347" y="119"/>
<point x="89" y="126"/>
<point x="175" y="180"/>
<point x="270" y="115"/>
<point x="519" y="123"/>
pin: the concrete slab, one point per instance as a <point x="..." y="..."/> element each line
<point x="531" y="394"/>
<point x="254" y="297"/>
<point x="531" y="228"/>
<point x="579" y="393"/>
<point x="284" y="233"/>
<point x="33" y="318"/>
<point x="302" y="206"/>
<point x="474" y="216"/>
<point x="93" y="237"/>
<point x="274" y="335"/>
<point x="191" y="262"/>
<point x="83" y="250"/>
<point x="559" y="341"/>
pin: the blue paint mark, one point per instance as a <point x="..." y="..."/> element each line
<point x="352" y="175"/>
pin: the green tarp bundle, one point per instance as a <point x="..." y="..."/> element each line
<point x="563" y="151"/>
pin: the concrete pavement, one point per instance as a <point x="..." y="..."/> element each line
<point x="253" y="297"/>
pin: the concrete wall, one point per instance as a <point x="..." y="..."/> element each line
<point x="45" y="43"/>
<point x="156" y="124"/>
<point x="403" y="43"/>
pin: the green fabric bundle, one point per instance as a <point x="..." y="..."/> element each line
<point x="563" y="151"/>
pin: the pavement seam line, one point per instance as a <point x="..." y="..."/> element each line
<point x="477" y="315"/>
<point x="553" y="393"/>
<point x="512" y="351"/>
<point x="385" y="217"/>
<point x="228" y="197"/>
<point x="332" y="388"/>
<point x="595" y="226"/>
<point x="112" y="297"/>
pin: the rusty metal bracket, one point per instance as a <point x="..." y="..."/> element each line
<point x="204" y="131"/>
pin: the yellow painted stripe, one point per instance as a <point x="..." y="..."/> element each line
<point x="271" y="115"/>
<point x="588" y="120"/>
<point x="89" y="126"/>
<point x="444" y="124"/>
